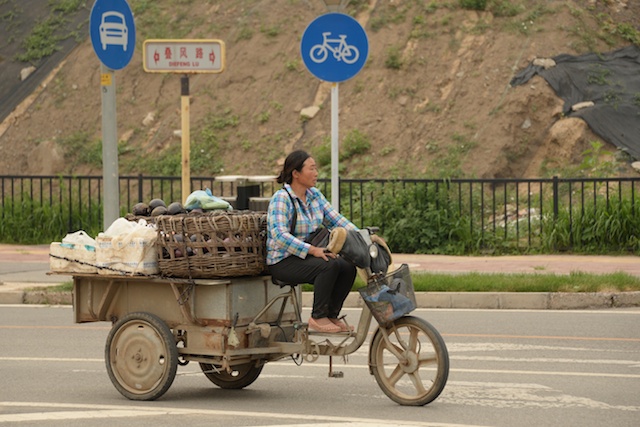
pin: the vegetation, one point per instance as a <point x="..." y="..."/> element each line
<point x="46" y="35"/>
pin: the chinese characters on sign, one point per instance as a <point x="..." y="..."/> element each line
<point x="183" y="56"/>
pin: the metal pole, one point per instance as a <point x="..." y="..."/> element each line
<point x="335" y="148"/>
<point x="336" y="5"/>
<point x="110" y="176"/>
<point x="186" y="173"/>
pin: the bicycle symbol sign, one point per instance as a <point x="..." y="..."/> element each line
<point x="334" y="47"/>
<point x="341" y="52"/>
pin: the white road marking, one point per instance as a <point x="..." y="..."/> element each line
<point x="519" y="395"/>
<point x="130" y="411"/>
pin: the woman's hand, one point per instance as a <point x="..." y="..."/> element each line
<point x="321" y="253"/>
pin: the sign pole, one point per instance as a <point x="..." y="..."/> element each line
<point x="335" y="148"/>
<point x="113" y="37"/>
<point x="110" y="174"/>
<point x="186" y="148"/>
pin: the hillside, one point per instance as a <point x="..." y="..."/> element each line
<point x="433" y="100"/>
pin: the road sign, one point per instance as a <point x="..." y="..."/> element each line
<point x="183" y="56"/>
<point x="334" y="47"/>
<point x="113" y="32"/>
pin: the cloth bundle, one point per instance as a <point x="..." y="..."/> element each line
<point x="352" y="246"/>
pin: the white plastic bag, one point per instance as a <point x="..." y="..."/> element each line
<point x="127" y="247"/>
<point x="81" y="239"/>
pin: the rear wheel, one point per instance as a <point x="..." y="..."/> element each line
<point x="241" y="376"/>
<point x="412" y="367"/>
<point x="141" y="356"/>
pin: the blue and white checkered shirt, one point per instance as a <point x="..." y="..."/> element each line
<point x="317" y="211"/>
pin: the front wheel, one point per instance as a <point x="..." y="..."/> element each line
<point x="240" y="376"/>
<point x="412" y="366"/>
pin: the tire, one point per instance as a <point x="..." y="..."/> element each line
<point x="403" y="378"/>
<point x="141" y="356"/>
<point x="241" y="376"/>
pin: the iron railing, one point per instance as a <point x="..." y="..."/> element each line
<point x="495" y="210"/>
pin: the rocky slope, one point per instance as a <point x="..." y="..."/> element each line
<point x="433" y="100"/>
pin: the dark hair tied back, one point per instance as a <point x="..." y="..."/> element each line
<point x="294" y="162"/>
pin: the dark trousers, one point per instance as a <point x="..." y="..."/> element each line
<point x="332" y="280"/>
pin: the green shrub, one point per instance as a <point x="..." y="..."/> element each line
<point x="354" y="143"/>
<point x="473" y="4"/>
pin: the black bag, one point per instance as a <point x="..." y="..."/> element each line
<point x="318" y="238"/>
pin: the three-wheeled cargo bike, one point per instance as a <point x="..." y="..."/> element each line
<point x="233" y="326"/>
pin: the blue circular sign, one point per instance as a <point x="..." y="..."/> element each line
<point x="334" y="47"/>
<point x="113" y="32"/>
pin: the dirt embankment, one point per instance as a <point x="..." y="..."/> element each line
<point x="433" y="99"/>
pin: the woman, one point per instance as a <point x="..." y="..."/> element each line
<point x="291" y="259"/>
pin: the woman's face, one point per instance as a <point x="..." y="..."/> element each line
<point x="308" y="175"/>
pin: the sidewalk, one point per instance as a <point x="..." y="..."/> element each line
<point x="24" y="267"/>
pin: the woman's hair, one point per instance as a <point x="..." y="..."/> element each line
<point x="294" y="162"/>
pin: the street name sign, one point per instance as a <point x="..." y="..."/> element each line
<point x="183" y="56"/>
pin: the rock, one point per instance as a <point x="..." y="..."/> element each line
<point x="26" y="72"/>
<point x="545" y="63"/>
<point x="527" y="123"/>
<point x="581" y="105"/>
<point x="309" y="112"/>
<point x="149" y="118"/>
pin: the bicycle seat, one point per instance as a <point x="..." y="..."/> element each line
<point x="282" y="283"/>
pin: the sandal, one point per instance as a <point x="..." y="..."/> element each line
<point x="323" y="325"/>
<point x="343" y="326"/>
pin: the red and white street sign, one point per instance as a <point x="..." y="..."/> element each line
<point x="183" y="56"/>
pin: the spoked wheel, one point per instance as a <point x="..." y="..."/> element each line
<point x="240" y="377"/>
<point x="141" y="356"/>
<point x="412" y="367"/>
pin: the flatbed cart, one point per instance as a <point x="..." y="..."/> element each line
<point x="232" y="327"/>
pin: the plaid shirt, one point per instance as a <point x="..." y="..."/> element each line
<point x="317" y="211"/>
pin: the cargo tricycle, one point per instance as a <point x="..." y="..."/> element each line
<point x="233" y="326"/>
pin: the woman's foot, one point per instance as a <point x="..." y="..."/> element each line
<point x="323" y="325"/>
<point x="342" y="325"/>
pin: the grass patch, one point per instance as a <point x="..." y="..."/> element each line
<point x="62" y="287"/>
<point x="521" y="282"/>
<point x="524" y="282"/>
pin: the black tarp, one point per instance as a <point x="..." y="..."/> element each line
<point x="611" y="80"/>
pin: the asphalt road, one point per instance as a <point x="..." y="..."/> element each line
<point x="515" y="367"/>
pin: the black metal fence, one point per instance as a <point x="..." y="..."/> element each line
<point x="515" y="212"/>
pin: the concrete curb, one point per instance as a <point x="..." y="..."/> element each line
<point x="509" y="300"/>
<point x="451" y="300"/>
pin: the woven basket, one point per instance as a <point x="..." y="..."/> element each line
<point x="210" y="245"/>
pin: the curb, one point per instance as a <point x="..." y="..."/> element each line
<point x="509" y="300"/>
<point x="449" y="300"/>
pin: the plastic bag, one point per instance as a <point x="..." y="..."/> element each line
<point x="204" y="199"/>
<point x="79" y="238"/>
<point x="123" y="231"/>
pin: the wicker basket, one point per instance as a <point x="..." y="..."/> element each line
<point x="390" y="297"/>
<point x="213" y="244"/>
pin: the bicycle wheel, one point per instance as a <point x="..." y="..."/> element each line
<point x="318" y="53"/>
<point x="350" y="54"/>
<point x="411" y="367"/>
